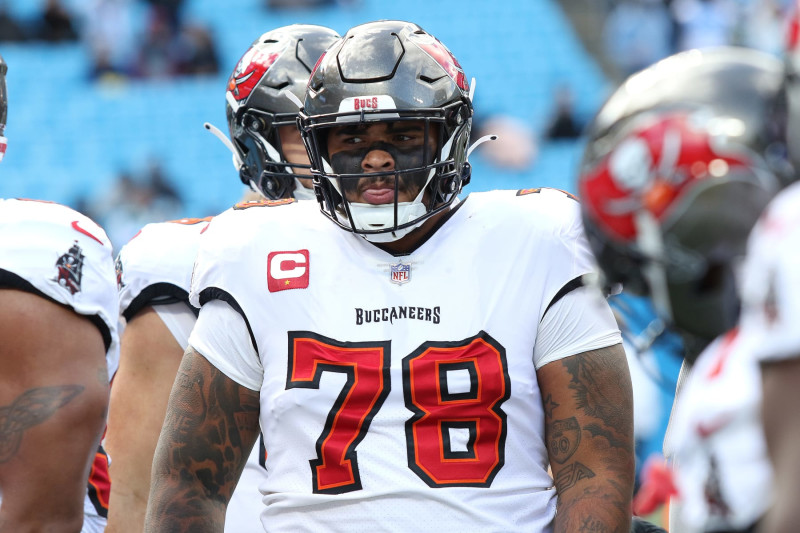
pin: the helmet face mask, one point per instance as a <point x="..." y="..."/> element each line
<point x="671" y="184"/>
<point x="278" y="62"/>
<point x="403" y="86"/>
<point x="265" y="165"/>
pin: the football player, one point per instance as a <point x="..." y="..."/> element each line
<point x="681" y="161"/>
<point x="154" y="270"/>
<point x="770" y="297"/>
<point x="58" y="346"/>
<point x="415" y="362"/>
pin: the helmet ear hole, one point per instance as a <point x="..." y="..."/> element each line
<point x="269" y="186"/>
<point x="244" y="175"/>
<point x="253" y="123"/>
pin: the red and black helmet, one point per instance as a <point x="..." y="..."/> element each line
<point x="256" y="106"/>
<point x="680" y="162"/>
<point x="389" y="71"/>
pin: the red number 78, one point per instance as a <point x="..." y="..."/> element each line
<point x="475" y="412"/>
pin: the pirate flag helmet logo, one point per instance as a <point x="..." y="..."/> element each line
<point x="69" y="269"/>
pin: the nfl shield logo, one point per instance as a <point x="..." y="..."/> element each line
<point x="400" y="273"/>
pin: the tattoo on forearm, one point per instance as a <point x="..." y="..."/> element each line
<point x="201" y="453"/>
<point x="564" y="437"/>
<point x="549" y="406"/>
<point x="29" y="409"/>
<point x="569" y="476"/>
<point x="593" y="509"/>
<point x="591" y="524"/>
<point x="613" y="441"/>
<point x="595" y="480"/>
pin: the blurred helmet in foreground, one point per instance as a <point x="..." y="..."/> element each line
<point x="680" y="162"/>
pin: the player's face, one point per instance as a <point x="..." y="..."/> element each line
<point x="382" y="147"/>
<point x="295" y="151"/>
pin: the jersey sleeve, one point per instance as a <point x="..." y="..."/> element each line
<point x="578" y="322"/>
<point x="179" y="318"/>
<point x="574" y="318"/>
<point x="220" y="335"/>
<point x="224" y="272"/>
<point x="59" y="254"/>
<point x="155" y="267"/>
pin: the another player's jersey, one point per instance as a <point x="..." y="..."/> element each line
<point x="60" y="254"/>
<point x="771" y="278"/>
<point x="400" y="393"/>
<point x="723" y="473"/>
<point x="155" y="268"/>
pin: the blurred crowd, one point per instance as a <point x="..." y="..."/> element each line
<point x="124" y="38"/>
<point x="135" y="198"/>
<point x="639" y="32"/>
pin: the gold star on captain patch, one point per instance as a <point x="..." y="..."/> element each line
<point x="287" y="282"/>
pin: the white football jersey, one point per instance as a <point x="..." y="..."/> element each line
<point x="770" y="278"/>
<point x="721" y="459"/>
<point x="155" y="268"/>
<point x="399" y="393"/>
<point x="723" y="474"/>
<point x="60" y="254"/>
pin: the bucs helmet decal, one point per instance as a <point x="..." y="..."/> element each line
<point x="651" y="168"/>
<point x="440" y="53"/>
<point x="251" y="68"/>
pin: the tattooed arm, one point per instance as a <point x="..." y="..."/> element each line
<point x="588" y="404"/>
<point x="53" y="389"/>
<point x="209" y="430"/>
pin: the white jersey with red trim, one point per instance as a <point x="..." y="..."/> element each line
<point x="771" y="278"/>
<point x="400" y="393"/>
<point x="155" y="268"/>
<point x="63" y="256"/>
<point x="723" y="474"/>
<point x="60" y="254"/>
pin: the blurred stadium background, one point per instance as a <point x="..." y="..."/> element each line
<point x="109" y="118"/>
<point x="108" y="100"/>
